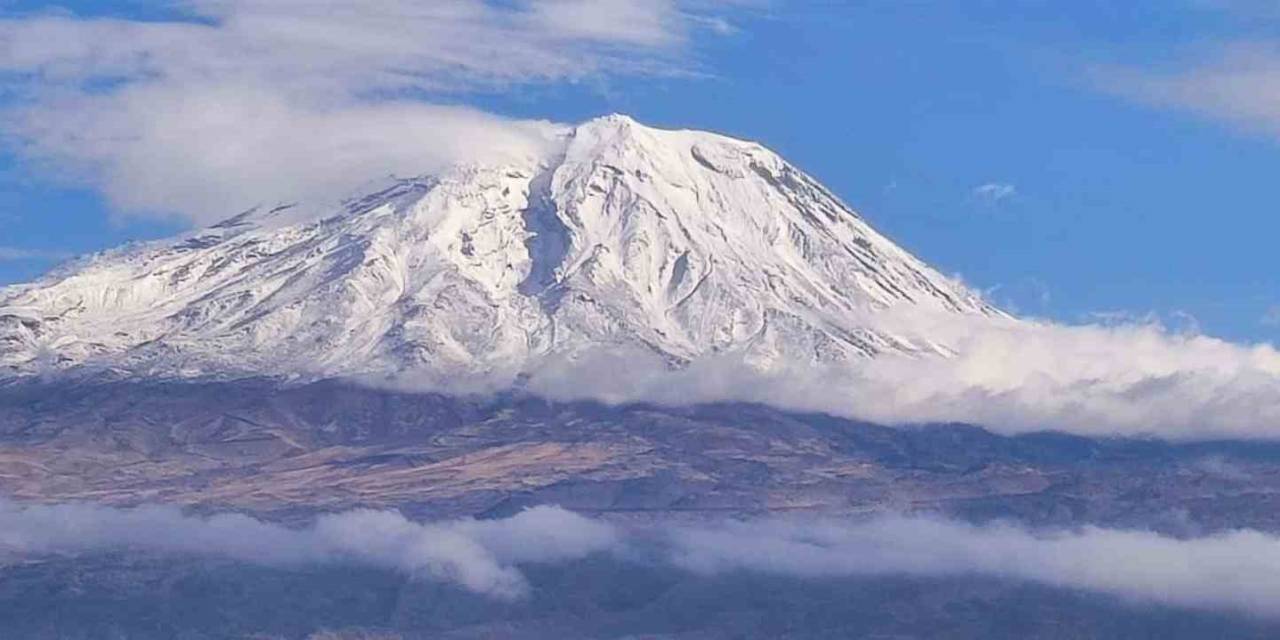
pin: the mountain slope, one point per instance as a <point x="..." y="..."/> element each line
<point x="684" y="243"/>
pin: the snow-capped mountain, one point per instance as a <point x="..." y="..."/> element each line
<point x="681" y="242"/>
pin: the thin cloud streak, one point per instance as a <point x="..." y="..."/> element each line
<point x="1238" y="84"/>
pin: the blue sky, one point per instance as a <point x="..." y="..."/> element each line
<point x="1111" y="187"/>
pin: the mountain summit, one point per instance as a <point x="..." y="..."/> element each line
<point x="684" y="243"/>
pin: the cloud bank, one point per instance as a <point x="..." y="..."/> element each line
<point x="1237" y="571"/>
<point x="246" y="102"/>
<point x="477" y="555"/>
<point x="1233" y="571"/>
<point x="1137" y="379"/>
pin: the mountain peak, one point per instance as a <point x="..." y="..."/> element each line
<point x="683" y="243"/>
<point x="612" y="120"/>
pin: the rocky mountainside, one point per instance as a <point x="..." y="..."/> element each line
<point x="679" y="242"/>
<point x="288" y="453"/>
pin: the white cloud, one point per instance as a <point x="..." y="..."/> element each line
<point x="1238" y="570"/>
<point x="257" y="101"/>
<point x="210" y="152"/>
<point x="1009" y="376"/>
<point x="993" y="192"/>
<point x="342" y="47"/>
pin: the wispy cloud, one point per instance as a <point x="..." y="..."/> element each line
<point x="253" y="101"/>
<point x="992" y="193"/>
<point x="1237" y="83"/>
<point x="1014" y="295"/>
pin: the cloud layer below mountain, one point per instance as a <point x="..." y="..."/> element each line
<point x="1238" y="571"/>
<point x="477" y="555"/>
<point x="1134" y="379"/>
<point x="1232" y="571"/>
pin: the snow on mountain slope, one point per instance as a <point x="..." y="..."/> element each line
<point x="685" y="243"/>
